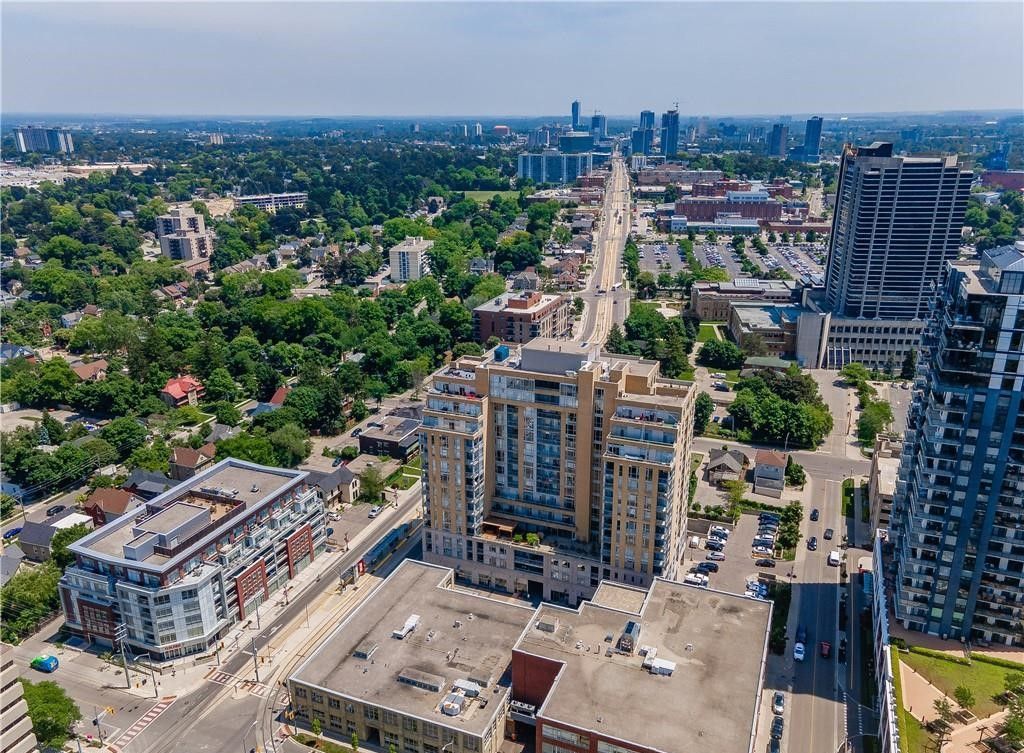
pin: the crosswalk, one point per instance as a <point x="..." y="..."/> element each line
<point x="258" y="689"/>
<point x="140" y="725"/>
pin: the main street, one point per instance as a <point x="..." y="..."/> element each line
<point x="605" y="305"/>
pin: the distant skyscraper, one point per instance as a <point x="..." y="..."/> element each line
<point x="35" y="139"/>
<point x="575" y="142"/>
<point x="958" y="512"/>
<point x="777" y="141"/>
<point x="478" y="131"/>
<point x="414" y="128"/>
<point x="897" y="222"/>
<point x="646" y="119"/>
<point x="812" y="140"/>
<point x="642" y="140"/>
<point x="576" y="115"/>
<point x="599" y="126"/>
<point x="670" y="133"/>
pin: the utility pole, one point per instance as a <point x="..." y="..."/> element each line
<point x="99" y="726"/>
<point x="120" y="635"/>
<point x="255" y="661"/>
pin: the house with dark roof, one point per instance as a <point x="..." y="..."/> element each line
<point x="219" y="431"/>
<point x="393" y="436"/>
<point x="10" y="352"/>
<point x="107" y="504"/>
<point x="147" y="484"/>
<point x="35" y="538"/>
<point x="726" y="465"/>
<point x="339" y="486"/>
<point x="186" y="462"/>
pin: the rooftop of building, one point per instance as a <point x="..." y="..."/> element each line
<point x="711" y="687"/>
<point x="413" y="243"/>
<point x="888" y="472"/>
<point x="752" y="316"/>
<point x="391" y="428"/>
<point x="457" y="636"/>
<point x="509" y="301"/>
<point x="747" y="285"/>
<point x="201" y="505"/>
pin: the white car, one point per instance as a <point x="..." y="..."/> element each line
<point x="761" y="551"/>
<point x="375" y="511"/>
<point x="715" y="556"/>
<point x="799" y="651"/>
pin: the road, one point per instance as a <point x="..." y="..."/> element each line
<point x="36" y="511"/>
<point x="603" y="309"/>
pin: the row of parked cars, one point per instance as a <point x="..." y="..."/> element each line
<point x="762" y="548"/>
<point x="699" y="575"/>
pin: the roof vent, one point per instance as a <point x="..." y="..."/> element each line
<point x="410" y="625"/>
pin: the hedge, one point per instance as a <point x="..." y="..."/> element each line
<point x="939" y="655"/>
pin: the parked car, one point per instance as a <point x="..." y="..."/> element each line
<point x="11" y="533"/>
<point x="707" y="567"/>
<point x="356" y="432"/>
<point x="812" y="543"/>
<point x="765" y="562"/>
<point x="761" y="551"/>
<point x="45" y="663"/>
<point x="55" y="510"/>
<point x="826" y="649"/>
<point x="375" y="511"/>
<point x="778" y="724"/>
<point x="767" y="517"/>
<point x="714" y="546"/>
<point x="815" y="514"/>
<point x="829" y="533"/>
<point x="779" y="703"/>
<point x="799" y="652"/>
<point x="801" y="634"/>
<point x="715" y="556"/>
<point x="720" y="531"/>
<point x="337" y="462"/>
<point x="842" y="651"/>
<point x="775" y="746"/>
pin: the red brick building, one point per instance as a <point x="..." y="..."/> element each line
<point x="518" y="318"/>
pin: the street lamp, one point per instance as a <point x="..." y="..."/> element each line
<point x="246" y="734"/>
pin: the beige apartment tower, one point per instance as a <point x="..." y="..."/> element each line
<point x="549" y="467"/>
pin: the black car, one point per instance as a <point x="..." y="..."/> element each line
<point x="774" y="747"/>
<point x="801" y="634"/>
<point x="707" y="567"/>
<point x="812" y="543"/>
<point x="714" y="546"/>
<point x="841" y="656"/>
<point x="777" y="727"/>
<point x="768" y="516"/>
<point x="55" y="510"/>
<point x="829" y="533"/>
<point x="814" y="514"/>
<point x="765" y="563"/>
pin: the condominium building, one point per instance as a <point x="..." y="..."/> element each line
<point x="670" y="133"/>
<point x="16" y="734"/>
<point x="271" y="202"/>
<point x="812" y="140"/>
<point x="576" y="121"/>
<point x="885" y="466"/>
<point x="777" y="140"/>
<point x="520" y="317"/>
<point x="409" y="259"/>
<point x="37" y="139"/>
<point x="958" y="512"/>
<point x="183" y="235"/>
<point x="599" y="126"/>
<point x="646" y="120"/>
<point x="180" y="570"/>
<point x="553" y="166"/>
<point x="551" y="466"/>
<point x="897" y="221"/>
<point x="422" y="667"/>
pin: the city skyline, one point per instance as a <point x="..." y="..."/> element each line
<point x="911" y="72"/>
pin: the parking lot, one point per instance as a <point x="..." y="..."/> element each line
<point x="738" y="567"/>
<point x="654" y="257"/>
<point x="797" y="260"/>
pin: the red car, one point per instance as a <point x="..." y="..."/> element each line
<point x="826" y="649"/>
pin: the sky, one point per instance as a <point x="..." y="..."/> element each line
<point x="501" y="58"/>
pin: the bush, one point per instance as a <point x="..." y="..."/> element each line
<point x="349" y="453"/>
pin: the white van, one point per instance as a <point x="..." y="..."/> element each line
<point x="696" y="579"/>
<point x="834" y="558"/>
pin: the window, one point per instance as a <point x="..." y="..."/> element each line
<point x="350" y="708"/>
<point x="370" y="712"/>
<point x="300" y="692"/>
<point x="409" y="724"/>
<point x="430" y="730"/>
<point x="410" y="746"/>
<point x="554" y="733"/>
<point x="390" y="717"/>
<point x="333" y="703"/>
<point x="316" y="697"/>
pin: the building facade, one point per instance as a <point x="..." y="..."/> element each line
<point x="409" y="259"/>
<point x="897" y="221"/>
<point x="958" y="512"/>
<point x="553" y="166"/>
<point x="551" y="466"/>
<point x="520" y="318"/>
<point x="777" y="140"/>
<point x="183" y="235"/>
<point x="812" y="140"/>
<point x="179" y="570"/>
<point x="750" y="205"/>
<point x="271" y="202"/>
<point x="776" y="326"/>
<point x="16" y="727"/>
<point x="576" y="122"/>
<point x="670" y="133"/>
<point x="36" y="139"/>
<point x="885" y="466"/>
<point x="712" y="301"/>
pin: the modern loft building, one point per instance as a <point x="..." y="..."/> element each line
<point x="958" y="511"/>
<point x="183" y="235"/>
<point x="812" y="140"/>
<point x="423" y="667"/>
<point x="179" y="570"/>
<point x="37" y="139"/>
<point x="670" y="133"/>
<point x="550" y="467"/>
<point x="646" y="120"/>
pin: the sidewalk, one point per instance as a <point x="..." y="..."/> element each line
<point x="919" y="695"/>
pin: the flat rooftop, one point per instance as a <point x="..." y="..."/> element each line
<point x="709" y="701"/>
<point x="392" y="428"/>
<point x="205" y="498"/>
<point x="504" y="303"/>
<point x="766" y="317"/>
<point x="459" y="636"/>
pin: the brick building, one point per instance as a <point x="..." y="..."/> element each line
<point x="520" y="318"/>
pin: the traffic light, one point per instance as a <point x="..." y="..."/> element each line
<point x="110" y="710"/>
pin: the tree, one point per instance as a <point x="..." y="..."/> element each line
<point x="754" y="345"/>
<point x="909" y="365"/>
<point x="735" y="490"/>
<point x="7" y="506"/>
<point x="28" y="598"/>
<point x="964" y="697"/>
<point x="220" y="386"/>
<point x="52" y="712"/>
<point x="355" y="743"/>
<point x="359" y="411"/>
<point x="702" y="411"/>
<point x="317" y="728"/>
<point x="371" y="485"/>
<point x="616" y="342"/>
<point x="59" y="544"/>
<point x="124" y="434"/>
<point x="721" y="354"/>
<point x="226" y="413"/>
<point x="795" y="475"/>
<point x="646" y="285"/>
<point x="1013" y="683"/>
<point x="290" y="444"/>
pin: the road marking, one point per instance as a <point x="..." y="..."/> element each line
<point x="141" y="724"/>
<point x="252" y="687"/>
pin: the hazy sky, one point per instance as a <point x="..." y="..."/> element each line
<point x="494" y="58"/>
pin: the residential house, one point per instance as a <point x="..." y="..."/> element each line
<point x="726" y="465"/>
<point x="147" y="484"/>
<point x="219" y="431"/>
<point x="769" y="473"/>
<point x="35" y="538"/>
<point x="186" y="462"/>
<point x="10" y="352"/>
<point x="339" y="486"/>
<point x="279" y="395"/>
<point x="182" y="390"/>
<point x="94" y="371"/>
<point x="10" y="562"/>
<point x="481" y="265"/>
<point x="176" y="294"/>
<point x="528" y="279"/>
<point x="104" y="505"/>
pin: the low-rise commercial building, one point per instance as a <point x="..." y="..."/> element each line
<point x="178" y="571"/>
<point x="776" y="326"/>
<point x="423" y="668"/>
<point x="519" y="318"/>
<point x="711" y="301"/>
<point x="409" y="259"/>
<point x="754" y="205"/>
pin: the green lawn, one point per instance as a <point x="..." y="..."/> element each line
<point x="986" y="680"/>
<point x="308" y="740"/>
<point x="848" y="506"/>
<point x="482" y="197"/>
<point x="915" y="738"/>
<point x="707" y="332"/>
